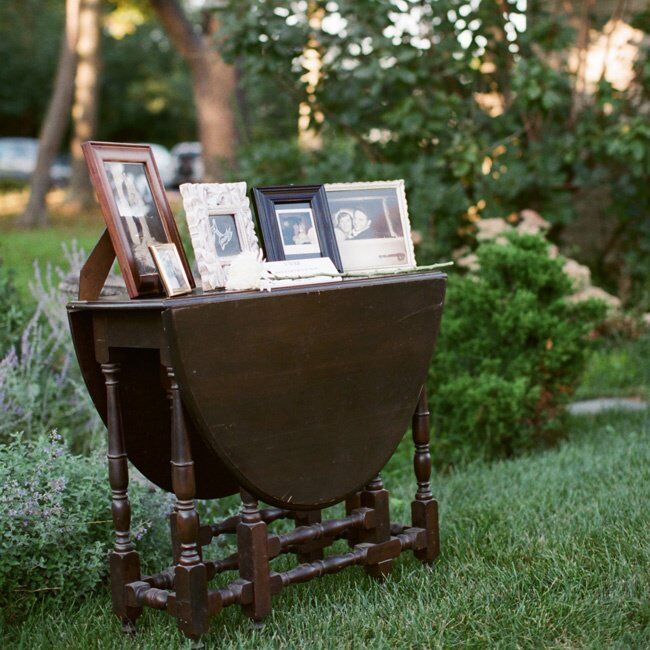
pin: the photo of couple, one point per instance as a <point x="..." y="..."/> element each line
<point x="299" y="236"/>
<point x="371" y="224"/>
<point x="352" y="224"/>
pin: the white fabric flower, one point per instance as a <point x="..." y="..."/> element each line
<point x="247" y="272"/>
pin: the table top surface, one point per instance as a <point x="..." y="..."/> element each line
<point x="198" y="296"/>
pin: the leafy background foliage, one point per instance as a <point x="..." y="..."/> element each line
<point x="399" y="99"/>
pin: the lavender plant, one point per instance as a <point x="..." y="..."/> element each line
<point x="56" y="522"/>
<point x="40" y="384"/>
<point x="12" y="311"/>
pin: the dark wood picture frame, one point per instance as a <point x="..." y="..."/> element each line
<point x="97" y="154"/>
<point x="266" y="201"/>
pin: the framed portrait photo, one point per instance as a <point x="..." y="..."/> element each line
<point x="371" y="225"/>
<point x="136" y="211"/>
<point x="295" y="223"/>
<point x="170" y="267"/>
<point x="221" y="226"/>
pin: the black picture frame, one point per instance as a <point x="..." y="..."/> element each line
<point x="267" y="199"/>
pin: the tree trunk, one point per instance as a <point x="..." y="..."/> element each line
<point x="86" y="101"/>
<point x="213" y="86"/>
<point x="55" y="121"/>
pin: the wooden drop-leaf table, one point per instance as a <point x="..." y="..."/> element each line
<point x="296" y="397"/>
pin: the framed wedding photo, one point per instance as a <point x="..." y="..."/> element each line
<point x="221" y="226"/>
<point x="170" y="267"/>
<point x="371" y="225"/>
<point x="295" y="223"/>
<point x="136" y="211"/>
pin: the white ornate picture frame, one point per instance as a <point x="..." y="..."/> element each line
<point x="221" y="226"/>
<point x="372" y="226"/>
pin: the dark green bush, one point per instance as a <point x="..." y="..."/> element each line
<point x="56" y="522"/>
<point x="510" y="353"/>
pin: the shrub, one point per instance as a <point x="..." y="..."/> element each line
<point x="56" y="521"/>
<point x="510" y="353"/>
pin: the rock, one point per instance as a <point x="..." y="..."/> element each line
<point x="491" y="228"/>
<point x="469" y="262"/>
<point x="595" y="406"/>
<point x="613" y="303"/>
<point x="646" y="319"/>
<point x="114" y="286"/>
<point x="460" y="252"/>
<point x="579" y="274"/>
<point x="553" y="251"/>
<point x="532" y="223"/>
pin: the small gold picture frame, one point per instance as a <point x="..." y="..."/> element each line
<point x="171" y="270"/>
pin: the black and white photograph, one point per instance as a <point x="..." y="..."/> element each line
<point x="299" y="236"/>
<point x="296" y="223"/>
<point x="224" y="231"/>
<point x="170" y="267"/>
<point x="137" y="209"/>
<point x="371" y="225"/>
<point x="221" y="226"/>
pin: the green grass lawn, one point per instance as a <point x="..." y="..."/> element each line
<point x="550" y="550"/>
<point x="620" y="369"/>
<point x="19" y="249"/>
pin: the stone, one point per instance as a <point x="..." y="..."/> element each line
<point x="491" y="228"/>
<point x="595" y="406"/>
<point x="469" y="262"/>
<point x="579" y="274"/>
<point x="532" y="223"/>
<point x="114" y="285"/>
<point x="457" y="253"/>
<point x="613" y="303"/>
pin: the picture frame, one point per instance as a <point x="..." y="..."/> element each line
<point x="136" y="211"/>
<point x="295" y="223"/>
<point x="221" y="226"/>
<point x="371" y="225"/>
<point x="171" y="270"/>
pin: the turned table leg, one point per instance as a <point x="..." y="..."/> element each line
<point x="310" y="551"/>
<point x="252" y="546"/>
<point x="124" y="560"/>
<point x="190" y="576"/>
<point x="376" y="497"/>
<point x="424" y="509"/>
<point x="352" y="503"/>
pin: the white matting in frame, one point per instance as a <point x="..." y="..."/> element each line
<point x="372" y="225"/>
<point x="221" y="226"/>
